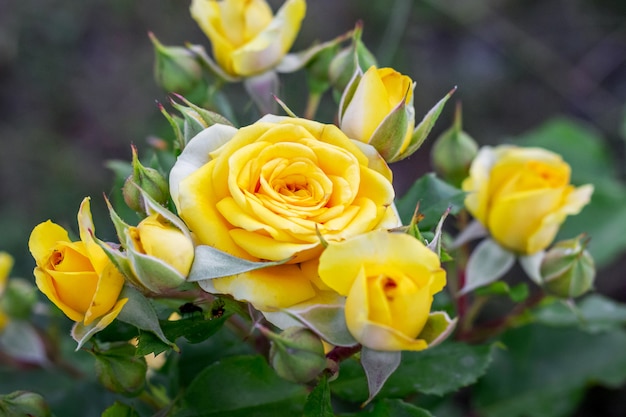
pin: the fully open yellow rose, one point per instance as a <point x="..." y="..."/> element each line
<point x="267" y="191"/>
<point x="77" y="277"/>
<point x="522" y="195"/>
<point x="389" y="280"/>
<point x="246" y="38"/>
<point x="380" y="101"/>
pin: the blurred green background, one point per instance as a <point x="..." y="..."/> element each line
<point x="76" y="89"/>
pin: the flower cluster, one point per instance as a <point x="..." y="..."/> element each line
<point x="290" y="215"/>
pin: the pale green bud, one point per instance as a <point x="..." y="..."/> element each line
<point x="342" y="67"/>
<point x="119" y="370"/>
<point x="568" y="270"/>
<point x="23" y="403"/>
<point x="453" y="152"/>
<point x="297" y="354"/>
<point x="18" y="299"/>
<point x="148" y="179"/>
<point x="176" y="69"/>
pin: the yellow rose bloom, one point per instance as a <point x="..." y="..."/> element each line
<point x="246" y="38"/>
<point x="155" y="236"/>
<point x="374" y="97"/>
<point x="522" y="196"/>
<point x="267" y="191"/>
<point x="77" y="277"/>
<point x="389" y="280"/>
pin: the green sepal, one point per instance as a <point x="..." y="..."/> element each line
<point x="139" y="312"/>
<point x="211" y="65"/>
<point x="424" y="127"/>
<point x="378" y="367"/>
<point x="488" y="262"/>
<point x="390" y="133"/>
<point x="210" y="263"/>
<point x="437" y="328"/>
<point x="326" y="320"/>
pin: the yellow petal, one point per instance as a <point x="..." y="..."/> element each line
<point x="368" y="107"/>
<point x="45" y="283"/>
<point x="6" y="263"/>
<point x="268" y="47"/>
<point x="105" y="296"/>
<point x="269" y="288"/>
<point x="96" y="254"/>
<point x="512" y="220"/>
<point x="111" y="315"/>
<point x="43" y="239"/>
<point x="375" y="251"/>
<point x="198" y="208"/>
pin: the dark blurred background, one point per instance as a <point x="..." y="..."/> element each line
<point x="76" y="83"/>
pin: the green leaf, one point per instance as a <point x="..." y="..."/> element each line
<point x="210" y="263"/>
<point x="243" y="386"/>
<point x="318" y="402"/>
<point x="517" y="293"/>
<point x="434" y="196"/>
<point x="596" y="314"/>
<point x="544" y="371"/>
<point x="488" y="262"/>
<point x="439" y="370"/>
<point x="194" y="329"/>
<point x="120" y="410"/>
<point x="395" y="408"/>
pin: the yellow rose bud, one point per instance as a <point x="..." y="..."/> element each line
<point x="155" y="236"/>
<point x="267" y="191"/>
<point x="246" y="38"/>
<point x="522" y="195"/>
<point x="77" y="277"/>
<point x="377" y="108"/>
<point x="389" y="280"/>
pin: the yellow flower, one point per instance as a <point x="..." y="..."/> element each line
<point x="246" y="38"/>
<point x="77" y="277"/>
<point x="267" y="191"/>
<point x="389" y="280"/>
<point x="377" y="108"/>
<point x="6" y="263"/>
<point x="522" y="195"/>
<point x="155" y="236"/>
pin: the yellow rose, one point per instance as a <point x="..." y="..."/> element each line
<point x="389" y="280"/>
<point x="522" y="195"/>
<point x="267" y="191"/>
<point x="377" y="108"/>
<point x="77" y="277"/>
<point x="246" y="38"/>
<point x="156" y="237"/>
